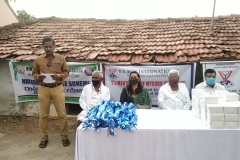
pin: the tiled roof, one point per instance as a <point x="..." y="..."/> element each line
<point x="135" y="41"/>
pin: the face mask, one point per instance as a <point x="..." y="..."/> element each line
<point x="210" y="81"/>
<point x="133" y="81"/>
<point x="173" y="82"/>
<point x="48" y="52"/>
<point x="95" y="82"/>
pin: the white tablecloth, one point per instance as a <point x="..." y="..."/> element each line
<point x="160" y="135"/>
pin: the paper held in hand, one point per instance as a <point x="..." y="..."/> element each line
<point x="48" y="78"/>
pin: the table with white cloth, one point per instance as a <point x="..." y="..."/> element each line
<point x="160" y="135"/>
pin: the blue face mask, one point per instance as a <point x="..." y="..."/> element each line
<point x="210" y="81"/>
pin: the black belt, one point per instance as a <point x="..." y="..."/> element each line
<point x="50" y="85"/>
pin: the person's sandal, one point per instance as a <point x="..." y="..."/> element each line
<point x="43" y="144"/>
<point x="65" y="142"/>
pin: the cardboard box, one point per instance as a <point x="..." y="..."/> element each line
<point x="211" y="99"/>
<point x="216" y="125"/>
<point x="230" y="125"/>
<point x="231" y="117"/>
<point x="215" y="118"/>
<point x="215" y="108"/>
<point x="231" y="97"/>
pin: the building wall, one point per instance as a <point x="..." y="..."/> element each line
<point x="7" y="16"/>
<point x="8" y="105"/>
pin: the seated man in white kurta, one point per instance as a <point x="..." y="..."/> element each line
<point x="174" y="95"/>
<point x="92" y="95"/>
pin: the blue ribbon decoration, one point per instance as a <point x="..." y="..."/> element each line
<point x="109" y="114"/>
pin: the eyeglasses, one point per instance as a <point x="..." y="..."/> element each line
<point x="49" y="62"/>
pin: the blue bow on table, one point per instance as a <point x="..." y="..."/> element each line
<point x="109" y="114"/>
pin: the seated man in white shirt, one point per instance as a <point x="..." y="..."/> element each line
<point x="174" y="95"/>
<point x="92" y="94"/>
<point x="209" y="85"/>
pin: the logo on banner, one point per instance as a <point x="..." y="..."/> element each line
<point x="88" y="71"/>
<point x="225" y="76"/>
<point x="112" y="73"/>
<point x="20" y="69"/>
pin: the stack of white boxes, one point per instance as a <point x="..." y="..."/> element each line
<point x="220" y="110"/>
<point x="197" y="101"/>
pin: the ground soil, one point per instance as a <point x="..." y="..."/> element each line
<point x="19" y="139"/>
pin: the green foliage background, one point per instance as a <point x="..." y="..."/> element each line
<point x="24" y="16"/>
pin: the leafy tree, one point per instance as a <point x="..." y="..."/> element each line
<point x="24" y="16"/>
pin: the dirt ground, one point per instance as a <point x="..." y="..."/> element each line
<point x="19" y="139"/>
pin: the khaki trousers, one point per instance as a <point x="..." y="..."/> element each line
<point x="45" y="96"/>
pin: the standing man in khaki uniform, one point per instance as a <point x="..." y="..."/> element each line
<point x="50" y="70"/>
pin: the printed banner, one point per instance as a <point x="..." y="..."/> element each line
<point x="227" y="74"/>
<point x="152" y="77"/>
<point x="26" y="87"/>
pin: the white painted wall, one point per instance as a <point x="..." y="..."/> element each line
<point x="6" y="14"/>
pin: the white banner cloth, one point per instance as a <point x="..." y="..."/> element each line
<point x="152" y="77"/>
<point x="227" y="73"/>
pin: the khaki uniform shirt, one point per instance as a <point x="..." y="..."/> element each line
<point x="57" y="65"/>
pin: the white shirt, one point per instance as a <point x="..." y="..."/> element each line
<point x="207" y="88"/>
<point x="90" y="98"/>
<point x="174" y="100"/>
